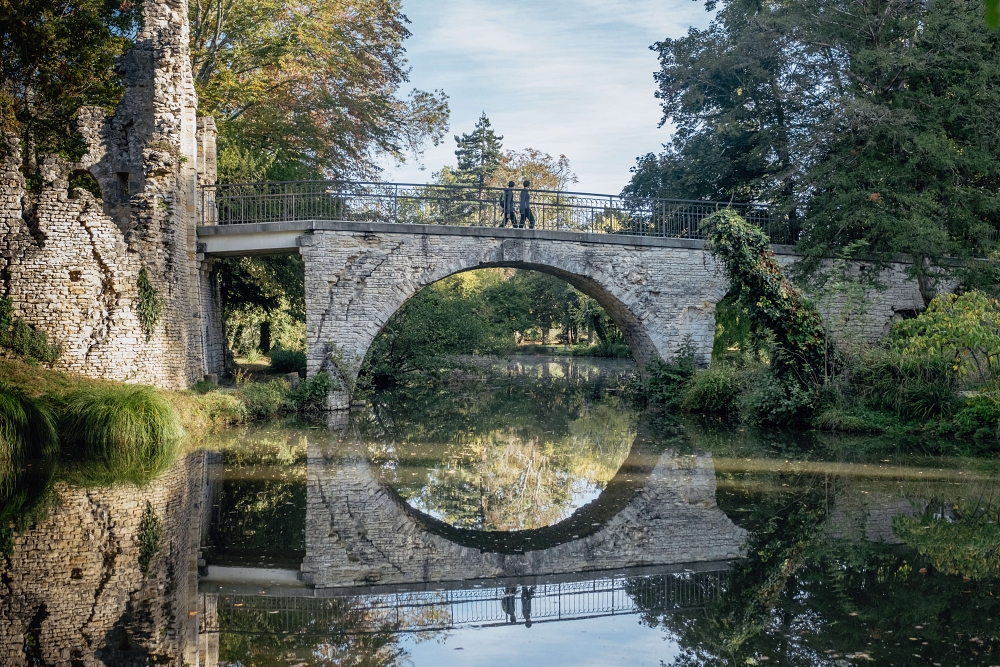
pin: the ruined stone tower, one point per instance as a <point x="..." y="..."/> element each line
<point x="71" y="264"/>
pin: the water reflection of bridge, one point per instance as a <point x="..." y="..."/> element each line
<point x="311" y="613"/>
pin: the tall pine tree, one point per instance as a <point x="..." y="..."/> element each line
<point x="478" y="152"/>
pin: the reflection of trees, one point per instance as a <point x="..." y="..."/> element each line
<point x="804" y="597"/>
<point x="508" y="458"/>
<point x="353" y="634"/>
<point x="258" y="512"/>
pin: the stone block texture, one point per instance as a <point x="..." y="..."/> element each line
<point x="658" y="296"/>
<point x="70" y="262"/>
<point x="358" y="532"/>
<point x="72" y="590"/>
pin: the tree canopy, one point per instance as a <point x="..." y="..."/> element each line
<point x="57" y="57"/>
<point x="873" y="120"/>
<point x="309" y="89"/>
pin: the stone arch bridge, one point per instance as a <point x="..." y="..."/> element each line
<point x="370" y="247"/>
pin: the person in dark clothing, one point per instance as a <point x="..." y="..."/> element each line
<point x="507" y="604"/>
<point x="527" y="592"/>
<point x="507" y="204"/>
<point x="526" y="213"/>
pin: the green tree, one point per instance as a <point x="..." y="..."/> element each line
<point x="57" y="57"/>
<point x="478" y="152"/>
<point x="874" y="123"/>
<point x="308" y="89"/>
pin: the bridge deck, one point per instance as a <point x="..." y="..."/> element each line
<point x="283" y="237"/>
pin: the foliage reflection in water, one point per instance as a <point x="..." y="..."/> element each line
<point x="518" y="448"/>
<point x="856" y="552"/>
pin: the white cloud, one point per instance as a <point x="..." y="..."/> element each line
<point x="559" y="76"/>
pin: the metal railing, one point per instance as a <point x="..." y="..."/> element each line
<point x="438" y="610"/>
<point x="470" y="205"/>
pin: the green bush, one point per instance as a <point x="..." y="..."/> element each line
<point x="121" y="433"/>
<point x="265" y="400"/>
<point x="312" y="394"/>
<point x="910" y="386"/>
<point x="288" y="361"/>
<point x="716" y="390"/>
<point x="27" y="435"/>
<point x="979" y="419"/>
<point x="664" y="382"/>
<point x="778" y="401"/>
<point x="24" y="340"/>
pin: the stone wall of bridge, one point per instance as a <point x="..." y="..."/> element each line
<point x="658" y="295"/>
<point x="660" y="292"/>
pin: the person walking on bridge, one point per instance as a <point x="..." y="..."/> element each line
<point x="507" y="204"/>
<point x="526" y="213"/>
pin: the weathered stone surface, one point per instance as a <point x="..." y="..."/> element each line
<point x="70" y="263"/>
<point x="355" y="282"/>
<point x="660" y="292"/>
<point x="73" y="582"/>
<point x="358" y="532"/>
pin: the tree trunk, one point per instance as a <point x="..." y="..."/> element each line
<point x="265" y="337"/>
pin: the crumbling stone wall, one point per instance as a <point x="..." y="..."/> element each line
<point x="71" y="263"/>
<point x="73" y="592"/>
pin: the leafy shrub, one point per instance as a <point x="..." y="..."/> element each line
<point x="149" y="305"/>
<point x="253" y="355"/>
<point x="24" y="340"/>
<point x="610" y="350"/>
<point x="288" y="361"/>
<point x="121" y="433"/>
<point x="664" y="382"/>
<point x="265" y="400"/>
<point x="715" y="390"/>
<point x="979" y="419"/>
<point x="964" y="329"/>
<point x="311" y="396"/>
<point x="779" y="401"/>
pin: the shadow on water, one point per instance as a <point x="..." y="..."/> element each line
<point x="458" y="514"/>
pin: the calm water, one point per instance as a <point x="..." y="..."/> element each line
<point x="526" y="515"/>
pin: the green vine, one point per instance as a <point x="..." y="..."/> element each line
<point x="775" y="307"/>
<point x="150" y="306"/>
<point x="150" y="534"/>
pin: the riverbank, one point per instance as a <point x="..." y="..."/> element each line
<point x="876" y="391"/>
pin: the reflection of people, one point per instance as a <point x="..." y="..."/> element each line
<point x="507" y="604"/>
<point x="526" y="213"/>
<point x="527" y="592"/>
<point x="507" y="203"/>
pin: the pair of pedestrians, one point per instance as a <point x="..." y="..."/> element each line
<point x="507" y="204"/>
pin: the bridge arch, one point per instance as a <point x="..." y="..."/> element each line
<point x="658" y="291"/>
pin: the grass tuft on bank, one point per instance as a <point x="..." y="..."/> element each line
<point x="120" y="433"/>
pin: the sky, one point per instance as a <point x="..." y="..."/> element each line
<point x="593" y="642"/>
<point x="572" y="77"/>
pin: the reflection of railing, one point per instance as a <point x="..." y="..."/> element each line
<point x="461" y="205"/>
<point x="436" y="610"/>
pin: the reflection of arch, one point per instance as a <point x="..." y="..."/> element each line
<point x="358" y="531"/>
<point x="657" y="292"/>
<point x="631" y="477"/>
